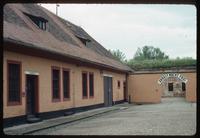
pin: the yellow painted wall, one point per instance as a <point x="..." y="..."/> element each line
<point x="143" y="88"/>
<point x="118" y="93"/>
<point x="43" y="67"/>
<point x="191" y="87"/>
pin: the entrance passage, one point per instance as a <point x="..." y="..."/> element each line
<point x="108" y="96"/>
<point x="174" y="89"/>
<point x="32" y="97"/>
<point x="174" y="85"/>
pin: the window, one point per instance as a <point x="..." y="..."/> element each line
<point x="42" y="25"/>
<point x="91" y="84"/>
<point x="39" y="21"/>
<point x="183" y="86"/>
<point x="118" y="84"/>
<point x="170" y="86"/>
<point x="55" y="83"/>
<point x="14" y="82"/>
<point x="83" y="39"/>
<point x="84" y="84"/>
<point x="66" y="84"/>
<point x="124" y="83"/>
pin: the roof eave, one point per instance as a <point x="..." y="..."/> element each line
<point x="31" y="46"/>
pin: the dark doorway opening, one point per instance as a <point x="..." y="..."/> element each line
<point x="124" y="89"/>
<point x="108" y="94"/>
<point x="170" y="87"/>
<point x="32" y="98"/>
<point x="183" y="86"/>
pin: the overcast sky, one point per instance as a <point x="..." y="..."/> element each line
<point x="126" y="27"/>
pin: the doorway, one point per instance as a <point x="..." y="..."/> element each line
<point x="31" y="96"/>
<point x="108" y="94"/>
<point x="124" y="89"/>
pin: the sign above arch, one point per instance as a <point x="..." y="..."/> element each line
<point x="169" y="75"/>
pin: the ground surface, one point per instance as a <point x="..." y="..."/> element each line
<point x="174" y="116"/>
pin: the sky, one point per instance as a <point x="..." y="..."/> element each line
<point x="126" y="27"/>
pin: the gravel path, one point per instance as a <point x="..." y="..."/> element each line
<point x="174" y="116"/>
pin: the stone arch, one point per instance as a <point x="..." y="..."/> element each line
<point x="173" y="85"/>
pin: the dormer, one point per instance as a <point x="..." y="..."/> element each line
<point x="37" y="20"/>
<point x="83" y="40"/>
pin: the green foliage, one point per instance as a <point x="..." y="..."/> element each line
<point x="165" y="63"/>
<point x="149" y="52"/>
<point x="150" y="58"/>
<point x="120" y="56"/>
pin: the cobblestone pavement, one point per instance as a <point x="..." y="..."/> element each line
<point x="174" y="116"/>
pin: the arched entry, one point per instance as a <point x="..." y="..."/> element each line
<point x="174" y="85"/>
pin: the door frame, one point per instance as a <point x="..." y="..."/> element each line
<point x="36" y="102"/>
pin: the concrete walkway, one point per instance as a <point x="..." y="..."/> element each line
<point x="45" y="124"/>
<point x="173" y="116"/>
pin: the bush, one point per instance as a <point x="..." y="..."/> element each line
<point x="165" y="63"/>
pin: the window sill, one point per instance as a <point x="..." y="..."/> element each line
<point x="14" y="103"/>
<point x="66" y="99"/>
<point x="55" y="100"/>
<point x="84" y="97"/>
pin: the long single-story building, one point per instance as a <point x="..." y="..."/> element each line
<point x="52" y="67"/>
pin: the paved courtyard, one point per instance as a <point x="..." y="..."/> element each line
<point x="174" y="116"/>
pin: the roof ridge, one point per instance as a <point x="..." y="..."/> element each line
<point x="90" y="52"/>
<point x="82" y="46"/>
<point x="68" y="22"/>
<point x="68" y="31"/>
<point x="60" y="18"/>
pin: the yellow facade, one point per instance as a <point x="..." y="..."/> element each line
<point x="43" y="67"/>
<point x="144" y="87"/>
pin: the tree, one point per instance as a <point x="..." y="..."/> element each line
<point x="118" y="55"/>
<point x="149" y="52"/>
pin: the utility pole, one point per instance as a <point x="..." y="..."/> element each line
<point x="57" y="5"/>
